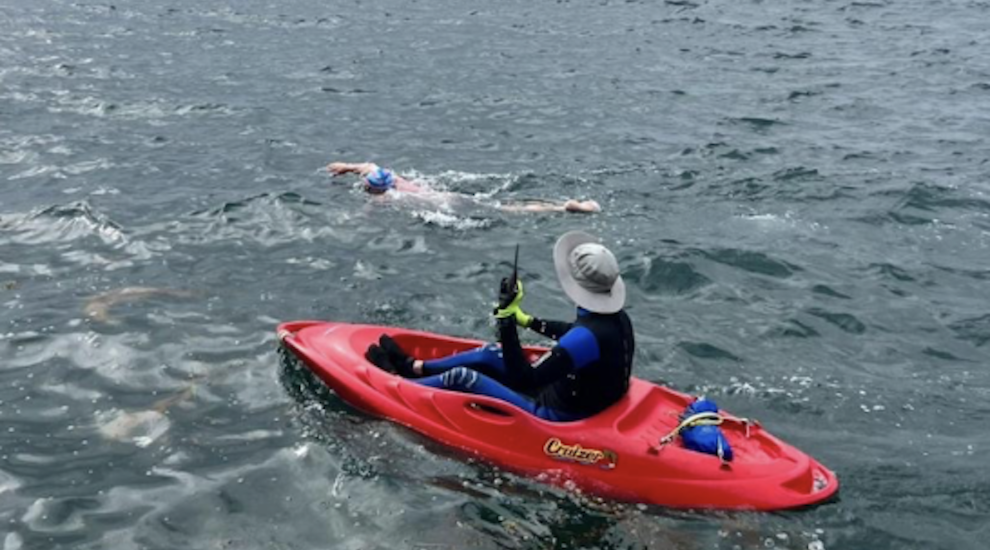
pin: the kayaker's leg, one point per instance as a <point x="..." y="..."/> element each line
<point x="486" y="360"/>
<point x="470" y="381"/>
<point x="391" y="357"/>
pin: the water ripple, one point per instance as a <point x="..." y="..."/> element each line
<point x="62" y="223"/>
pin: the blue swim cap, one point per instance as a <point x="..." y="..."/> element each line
<point x="380" y="180"/>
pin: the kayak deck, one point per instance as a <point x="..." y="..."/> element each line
<point x="616" y="453"/>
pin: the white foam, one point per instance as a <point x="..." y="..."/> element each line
<point x="8" y="483"/>
<point x="13" y="541"/>
<point x="141" y="428"/>
<point x="443" y="219"/>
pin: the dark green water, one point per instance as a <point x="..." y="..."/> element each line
<point x="797" y="192"/>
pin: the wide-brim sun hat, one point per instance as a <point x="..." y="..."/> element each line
<point x="589" y="273"/>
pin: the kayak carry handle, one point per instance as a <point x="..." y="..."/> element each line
<point x="485" y="407"/>
<point x="286" y="333"/>
<point x="289" y="329"/>
<point x="490" y="412"/>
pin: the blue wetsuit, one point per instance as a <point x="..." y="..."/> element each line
<point x="586" y="372"/>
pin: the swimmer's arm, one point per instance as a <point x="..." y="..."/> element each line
<point x="581" y="207"/>
<point x="531" y="207"/>
<point x="360" y="168"/>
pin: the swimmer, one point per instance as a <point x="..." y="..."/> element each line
<point x="380" y="181"/>
<point x="97" y="307"/>
<point x="142" y="427"/>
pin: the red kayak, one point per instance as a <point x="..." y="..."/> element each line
<point x="618" y="453"/>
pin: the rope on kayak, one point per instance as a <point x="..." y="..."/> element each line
<point x="700" y="419"/>
<point x="703" y="419"/>
<point x="749" y="423"/>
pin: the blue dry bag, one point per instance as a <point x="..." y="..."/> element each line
<point x="702" y="437"/>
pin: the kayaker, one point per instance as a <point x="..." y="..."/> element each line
<point x="586" y="372"/>
<point x="379" y="181"/>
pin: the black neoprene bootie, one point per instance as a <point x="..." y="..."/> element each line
<point x="379" y="358"/>
<point x="396" y="355"/>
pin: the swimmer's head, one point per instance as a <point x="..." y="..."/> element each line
<point x="379" y="180"/>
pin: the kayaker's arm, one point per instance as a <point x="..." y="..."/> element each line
<point x="520" y="373"/>
<point x="577" y="348"/>
<point x="548" y="328"/>
<point x="510" y="306"/>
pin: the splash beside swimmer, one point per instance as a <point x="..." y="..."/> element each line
<point x="380" y="181"/>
